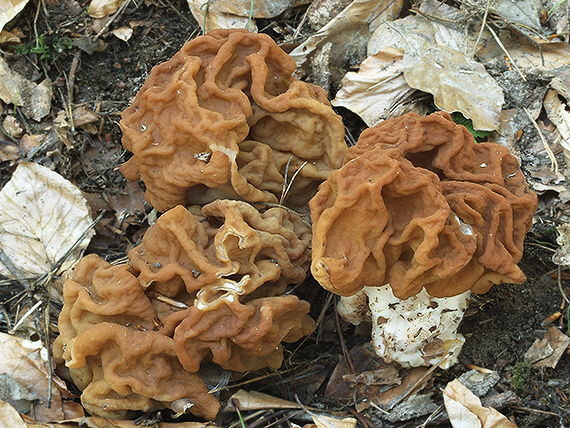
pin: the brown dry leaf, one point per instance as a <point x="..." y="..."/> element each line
<point x="23" y="361"/>
<point x="236" y="13"/>
<point x="9" y="417"/>
<point x="43" y="216"/>
<point x="546" y="352"/>
<point x="562" y="254"/>
<point x="9" y="150"/>
<point x="33" y="99"/>
<point x="123" y="33"/>
<point x="9" y="9"/>
<point x="348" y="32"/>
<point x="101" y="8"/>
<point x="210" y="18"/>
<point x="457" y="82"/>
<point x="97" y="422"/>
<point x="323" y="421"/>
<point x="377" y="91"/>
<point x="465" y="410"/>
<point x="557" y="112"/>
<point x="253" y="400"/>
<point x="8" y="37"/>
<point x="526" y="54"/>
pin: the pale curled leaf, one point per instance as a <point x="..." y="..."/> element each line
<point x="375" y="91"/>
<point x="9" y="9"/>
<point x="43" y="215"/>
<point x="254" y="400"/>
<point x="457" y="82"/>
<point x="123" y="33"/>
<point x="465" y="410"/>
<point x="101" y="8"/>
<point x="323" y="421"/>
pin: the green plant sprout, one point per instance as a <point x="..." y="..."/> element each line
<point x="44" y="49"/>
<point x="520" y="374"/>
<point x="468" y="123"/>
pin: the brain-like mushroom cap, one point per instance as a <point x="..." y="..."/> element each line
<point x="210" y="287"/>
<point x="225" y="118"/>
<point x="419" y="204"/>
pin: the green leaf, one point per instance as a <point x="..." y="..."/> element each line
<point x="468" y="123"/>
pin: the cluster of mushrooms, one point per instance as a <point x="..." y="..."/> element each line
<point x="404" y="225"/>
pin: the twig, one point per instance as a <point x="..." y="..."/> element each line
<point x="554" y="163"/>
<point x="416" y="384"/>
<point x="70" y="84"/>
<point x="482" y="28"/>
<point x="48" y="345"/>
<point x="433" y="416"/>
<point x="347" y="358"/>
<point x="530" y="410"/>
<point x="108" y="24"/>
<point x="26" y="315"/>
<point x="284" y="195"/>
<point x="560" y="287"/>
<point x="504" y="49"/>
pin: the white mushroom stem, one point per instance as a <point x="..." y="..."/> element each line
<point x="418" y="331"/>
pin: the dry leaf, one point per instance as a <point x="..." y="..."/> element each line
<point x="101" y="8"/>
<point x="434" y="62"/>
<point x="123" y="33"/>
<point x="209" y="17"/>
<point x="546" y="352"/>
<point x="9" y="417"/>
<point x="254" y="400"/>
<point x="558" y="114"/>
<point x="43" y="215"/>
<point x="348" y="32"/>
<point x="375" y="92"/>
<point x="465" y="410"/>
<point x="97" y="422"/>
<point x="562" y="255"/>
<point x="23" y="361"/>
<point x="457" y="82"/>
<point x="523" y="12"/>
<point x="322" y="421"/>
<point x="8" y="37"/>
<point x="33" y="99"/>
<point x="9" y="9"/>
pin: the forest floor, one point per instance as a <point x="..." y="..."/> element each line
<point x="105" y="73"/>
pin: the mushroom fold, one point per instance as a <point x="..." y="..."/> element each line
<point x="224" y="118"/>
<point x="197" y="288"/>
<point x="419" y="206"/>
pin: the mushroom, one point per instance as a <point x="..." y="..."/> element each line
<point x="417" y="218"/>
<point x="198" y="288"/>
<point x="224" y="118"/>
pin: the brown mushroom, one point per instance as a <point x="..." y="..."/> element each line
<point x="421" y="207"/>
<point x="108" y="344"/>
<point x="224" y="118"/>
<point x="211" y="288"/>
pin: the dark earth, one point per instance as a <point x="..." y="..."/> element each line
<point x="500" y="326"/>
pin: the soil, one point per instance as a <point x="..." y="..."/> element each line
<point x="500" y="326"/>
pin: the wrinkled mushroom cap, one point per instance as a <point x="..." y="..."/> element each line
<point x="206" y="287"/>
<point x="419" y="204"/>
<point x="224" y="118"/>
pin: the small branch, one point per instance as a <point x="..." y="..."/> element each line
<point x="506" y="52"/>
<point x="554" y="163"/>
